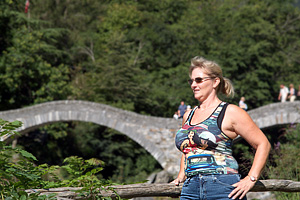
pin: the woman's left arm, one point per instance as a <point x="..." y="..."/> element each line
<point x="242" y="124"/>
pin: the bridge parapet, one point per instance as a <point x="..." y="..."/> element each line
<point x="276" y="114"/>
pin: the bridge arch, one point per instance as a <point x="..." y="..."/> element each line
<point x="142" y="129"/>
<point x="155" y="134"/>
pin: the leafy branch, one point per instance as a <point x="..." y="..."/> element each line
<point x="18" y="175"/>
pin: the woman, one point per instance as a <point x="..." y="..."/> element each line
<point x="242" y="103"/>
<point x="292" y="94"/>
<point x="207" y="166"/>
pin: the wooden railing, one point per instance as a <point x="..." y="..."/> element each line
<point x="165" y="189"/>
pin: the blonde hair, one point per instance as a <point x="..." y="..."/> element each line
<point x="213" y="70"/>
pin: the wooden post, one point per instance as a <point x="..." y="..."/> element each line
<point x="164" y="189"/>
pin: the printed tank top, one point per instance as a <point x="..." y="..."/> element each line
<point x="207" y="149"/>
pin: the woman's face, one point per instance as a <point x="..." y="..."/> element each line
<point x="205" y="88"/>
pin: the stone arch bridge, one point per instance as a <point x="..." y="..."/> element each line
<point x="155" y="134"/>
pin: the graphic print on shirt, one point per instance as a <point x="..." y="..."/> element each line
<point x="207" y="150"/>
<point x="205" y="141"/>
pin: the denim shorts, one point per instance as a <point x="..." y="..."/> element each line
<point x="209" y="187"/>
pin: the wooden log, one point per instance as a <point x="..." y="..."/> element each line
<point x="276" y="185"/>
<point x="164" y="189"/>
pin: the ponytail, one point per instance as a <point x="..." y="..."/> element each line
<point x="227" y="87"/>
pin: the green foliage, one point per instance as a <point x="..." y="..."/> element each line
<point x="135" y="54"/>
<point x="244" y="37"/>
<point x="286" y="166"/>
<point x="8" y="128"/>
<point x="15" y="175"/>
<point x="26" y="77"/>
<point x="31" y="64"/>
<point x="18" y="172"/>
<point x="285" y="156"/>
<point x="82" y="173"/>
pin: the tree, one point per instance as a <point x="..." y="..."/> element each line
<point x="30" y="65"/>
<point x="250" y="40"/>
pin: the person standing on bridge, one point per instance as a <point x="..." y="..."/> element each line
<point x="292" y="93"/>
<point x="207" y="167"/>
<point x="283" y="93"/>
<point x="181" y="109"/>
<point x="242" y="104"/>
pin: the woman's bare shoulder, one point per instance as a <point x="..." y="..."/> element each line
<point x="236" y="113"/>
<point x="234" y="108"/>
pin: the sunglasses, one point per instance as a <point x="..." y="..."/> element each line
<point x="199" y="80"/>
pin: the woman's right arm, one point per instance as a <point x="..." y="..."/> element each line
<point x="181" y="175"/>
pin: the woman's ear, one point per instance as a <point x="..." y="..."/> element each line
<point x="216" y="82"/>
